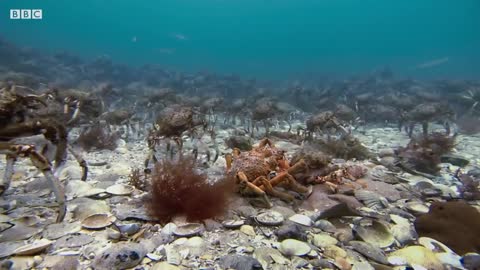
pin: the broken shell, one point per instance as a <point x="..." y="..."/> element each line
<point x="270" y="218"/>
<point x="233" y="224"/>
<point x="404" y="234"/>
<point x="78" y="188"/>
<point x="33" y="248"/>
<point x="120" y="190"/>
<point x="301" y="219"/>
<point x="57" y="230"/>
<point x="73" y="240"/>
<point x="434" y="245"/>
<point x="415" y="255"/>
<point x="375" y="233"/>
<point x="292" y="247"/>
<point x="371" y="199"/>
<point x="98" y="221"/>
<point x="417" y="208"/>
<point x="188" y="230"/>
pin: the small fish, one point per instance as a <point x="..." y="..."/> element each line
<point x="134" y="39"/>
<point x="180" y="36"/>
<point x="433" y="63"/>
<point x="166" y="50"/>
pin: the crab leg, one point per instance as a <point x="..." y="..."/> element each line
<point x="80" y="161"/>
<point x="41" y="163"/>
<point x="5" y="181"/>
<point x="298" y="167"/>
<point x="265" y="185"/>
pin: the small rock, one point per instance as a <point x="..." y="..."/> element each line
<point x="239" y="262"/>
<point x="301" y="219"/>
<point x="248" y="230"/>
<point x="325" y="225"/>
<point x="120" y="256"/>
<point x="454" y="160"/>
<point x="333" y="252"/>
<point x="291" y="231"/>
<point x="292" y="247"/>
<point x="471" y="261"/>
<point x="323" y="240"/>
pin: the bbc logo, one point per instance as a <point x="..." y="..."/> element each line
<point x="26" y="14"/>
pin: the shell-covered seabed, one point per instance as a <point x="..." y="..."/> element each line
<point x="374" y="172"/>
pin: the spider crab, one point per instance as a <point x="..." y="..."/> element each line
<point x="257" y="172"/>
<point x="20" y="116"/>
<point x="324" y="122"/>
<point x="171" y="124"/>
<point x="426" y="113"/>
<point x="343" y="176"/>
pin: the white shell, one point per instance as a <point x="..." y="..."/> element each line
<point x="98" y="221"/>
<point x="417" y="207"/>
<point x="301" y="219"/>
<point x="371" y="199"/>
<point x="187" y="230"/>
<point x="292" y="247"/>
<point x="33" y="248"/>
<point x="232" y="224"/>
<point x="270" y="218"/>
<point x="120" y="190"/>
<point x="375" y="233"/>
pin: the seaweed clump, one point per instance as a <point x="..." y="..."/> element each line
<point x="177" y="188"/>
<point x="453" y="223"/>
<point x="423" y="153"/>
<point x="138" y="180"/>
<point x="97" y="137"/>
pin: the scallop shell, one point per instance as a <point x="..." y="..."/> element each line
<point x="415" y="255"/>
<point x="232" y="224"/>
<point x="33" y="248"/>
<point x="188" y="230"/>
<point x="417" y="207"/>
<point x="371" y="199"/>
<point x="270" y="218"/>
<point x="301" y="219"/>
<point x="78" y="188"/>
<point x="120" y="190"/>
<point x="375" y="233"/>
<point x="98" y="221"/>
<point x="292" y="247"/>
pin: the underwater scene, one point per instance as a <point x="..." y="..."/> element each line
<point x="240" y="134"/>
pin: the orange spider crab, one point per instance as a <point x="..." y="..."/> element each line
<point x="338" y="177"/>
<point x="259" y="170"/>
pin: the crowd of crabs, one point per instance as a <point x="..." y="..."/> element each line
<point x="175" y="117"/>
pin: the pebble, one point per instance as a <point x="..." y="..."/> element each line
<point x="323" y="240"/>
<point x="248" y="230"/>
<point x="292" y="247"/>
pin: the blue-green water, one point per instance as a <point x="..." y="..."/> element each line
<point x="262" y="38"/>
